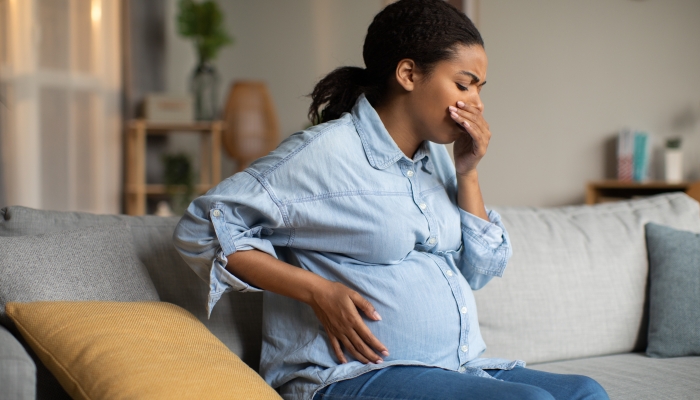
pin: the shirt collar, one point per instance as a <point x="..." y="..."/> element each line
<point x="379" y="146"/>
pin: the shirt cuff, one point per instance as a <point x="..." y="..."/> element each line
<point x="490" y="233"/>
<point x="222" y="281"/>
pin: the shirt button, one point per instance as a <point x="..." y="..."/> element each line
<point x="463" y="310"/>
<point x="432" y="241"/>
<point x="409" y="173"/>
<point x="422" y="206"/>
<point x="462" y="369"/>
<point x="217" y="213"/>
<point x="465" y="348"/>
<point x="449" y="273"/>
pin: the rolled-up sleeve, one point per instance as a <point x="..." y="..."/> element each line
<point x="485" y="250"/>
<point x="238" y="214"/>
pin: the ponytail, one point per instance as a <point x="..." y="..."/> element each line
<point x="337" y="93"/>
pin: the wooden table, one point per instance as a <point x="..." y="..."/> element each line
<point x="135" y="188"/>
<point x="612" y="190"/>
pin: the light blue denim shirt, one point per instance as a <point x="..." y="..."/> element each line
<point x="340" y="199"/>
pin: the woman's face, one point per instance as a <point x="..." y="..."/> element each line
<point x="458" y="79"/>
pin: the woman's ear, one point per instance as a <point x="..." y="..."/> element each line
<point x="406" y="74"/>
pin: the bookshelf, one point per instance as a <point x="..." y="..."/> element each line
<point x="612" y="190"/>
<point x="136" y="190"/>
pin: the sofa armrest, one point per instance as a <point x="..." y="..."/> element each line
<point x="17" y="370"/>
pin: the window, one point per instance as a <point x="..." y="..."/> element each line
<point x="60" y="69"/>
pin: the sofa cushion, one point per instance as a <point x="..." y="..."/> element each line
<point x="674" y="292"/>
<point x="635" y="376"/>
<point x="127" y="350"/>
<point x="576" y="285"/>
<point x="96" y="263"/>
<point x="237" y="318"/>
<point x="17" y="370"/>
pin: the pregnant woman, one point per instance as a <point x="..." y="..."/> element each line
<point x="366" y="237"/>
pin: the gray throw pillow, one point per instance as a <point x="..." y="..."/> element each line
<point x="96" y="263"/>
<point x="674" y="292"/>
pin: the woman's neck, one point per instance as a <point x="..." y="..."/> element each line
<point x="397" y="121"/>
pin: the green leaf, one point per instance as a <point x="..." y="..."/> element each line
<point x="204" y="24"/>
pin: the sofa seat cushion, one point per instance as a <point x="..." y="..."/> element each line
<point x="635" y="376"/>
<point x="134" y="350"/>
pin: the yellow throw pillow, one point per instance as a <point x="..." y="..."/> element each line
<point x="134" y="350"/>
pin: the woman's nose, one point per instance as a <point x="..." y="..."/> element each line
<point x="476" y="102"/>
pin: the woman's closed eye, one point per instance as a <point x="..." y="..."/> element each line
<point x="461" y="87"/>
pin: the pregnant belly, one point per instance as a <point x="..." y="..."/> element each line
<point x="420" y="317"/>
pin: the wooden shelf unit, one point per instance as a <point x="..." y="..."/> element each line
<point x="135" y="188"/>
<point x="612" y="190"/>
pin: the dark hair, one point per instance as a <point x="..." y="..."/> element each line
<point x="425" y="31"/>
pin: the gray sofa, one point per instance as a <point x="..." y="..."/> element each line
<point x="573" y="298"/>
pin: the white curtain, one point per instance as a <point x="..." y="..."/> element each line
<point x="60" y="79"/>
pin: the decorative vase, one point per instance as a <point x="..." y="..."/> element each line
<point x="204" y="87"/>
<point x="673" y="170"/>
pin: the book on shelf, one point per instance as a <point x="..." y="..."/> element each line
<point x="633" y="154"/>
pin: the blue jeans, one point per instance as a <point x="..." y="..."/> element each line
<point x="416" y="382"/>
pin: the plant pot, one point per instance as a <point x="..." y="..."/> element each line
<point x="204" y="86"/>
<point x="673" y="171"/>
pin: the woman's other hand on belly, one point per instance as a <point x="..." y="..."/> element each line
<point x="337" y="307"/>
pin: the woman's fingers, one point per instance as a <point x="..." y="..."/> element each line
<point x="363" y="349"/>
<point x="350" y="346"/>
<point x="471" y="115"/>
<point x="337" y="308"/>
<point x="473" y="122"/>
<point x="460" y="120"/>
<point x="336" y="347"/>
<point x="362" y="329"/>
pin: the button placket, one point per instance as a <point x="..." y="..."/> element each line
<point x="409" y="171"/>
<point x="452" y="281"/>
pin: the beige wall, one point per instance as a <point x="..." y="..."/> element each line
<point x="564" y="77"/>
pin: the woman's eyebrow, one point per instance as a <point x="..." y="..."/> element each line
<point x="475" y="79"/>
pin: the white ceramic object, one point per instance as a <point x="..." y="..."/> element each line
<point x="673" y="170"/>
<point x="163" y="209"/>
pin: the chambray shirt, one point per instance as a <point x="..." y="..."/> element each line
<point x="341" y="200"/>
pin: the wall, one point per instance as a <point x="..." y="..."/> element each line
<point x="564" y="77"/>
<point x="288" y="44"/>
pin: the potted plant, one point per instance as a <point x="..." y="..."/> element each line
<point x="179" y="181"/>
<point x="204" y="24"/>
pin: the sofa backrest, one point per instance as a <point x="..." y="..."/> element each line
<point x="237" y="318"/>
<point x="575" y="287"/>
<point x="577" y="283"/>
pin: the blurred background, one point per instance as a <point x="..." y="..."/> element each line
<point x="77" y="76"/>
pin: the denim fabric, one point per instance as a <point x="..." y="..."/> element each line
<point x="341" y="200"/>
<point x="415" y="383"/>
